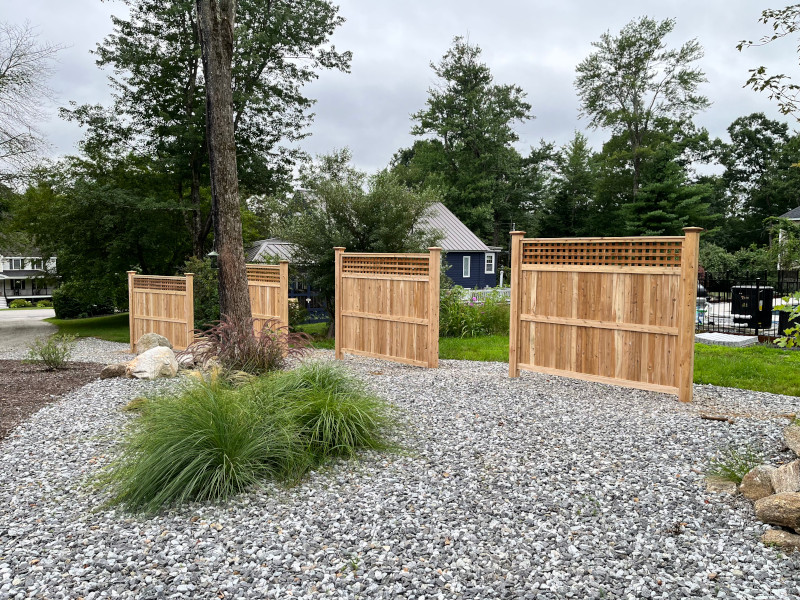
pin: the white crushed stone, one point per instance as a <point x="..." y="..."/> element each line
<point x="87" y="350"/>
<point x="539" y="487"/>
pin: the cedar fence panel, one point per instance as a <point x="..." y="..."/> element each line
<point x="269" y="293"/>
<point x="387" y="306"/>
<point x="613" y="310"/>
<point x="163" y="305"/>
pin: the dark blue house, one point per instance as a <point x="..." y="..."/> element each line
<point x="472" y="264"/>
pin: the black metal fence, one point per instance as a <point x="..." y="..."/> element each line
<point x="745" y="305"/>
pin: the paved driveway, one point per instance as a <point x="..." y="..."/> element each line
<point x="18" y="328"/>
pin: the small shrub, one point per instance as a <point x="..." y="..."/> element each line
<point x="207" y="443"/>
<point x="44" y="304"/>
<point x="791" y="336"/>
<point x="257" y="353"/>
<point x="297" y="314"/>
<point x="206" y="292"/>
<point x="20" y="303"/>
<point x="458" y="318"/>
<point x="335" y="413"/>
<point x="734" y="463"/>
<point x="76" y="299"/>
<point x="53" y="352"/>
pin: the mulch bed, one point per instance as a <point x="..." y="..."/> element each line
<point x="25" y="388"/>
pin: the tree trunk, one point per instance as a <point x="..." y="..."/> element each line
<point x="216" y="23"/>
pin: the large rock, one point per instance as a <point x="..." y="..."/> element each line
<point x="115" y="370"/>
<point x="786" y="478"/>
<point x="791" y="435"/>
<point x="151" y="340"/>
<point x="780" y="509"/>
<point x="782" y="539"/>
<point x="157" y="362"/>
<point x="757" y="483"/>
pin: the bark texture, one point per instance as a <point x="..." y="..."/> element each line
<point x="216" y="20"/>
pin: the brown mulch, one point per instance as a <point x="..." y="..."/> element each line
<point x="25" y="388"/>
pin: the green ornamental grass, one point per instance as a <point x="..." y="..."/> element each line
<point x="211" y="441"/>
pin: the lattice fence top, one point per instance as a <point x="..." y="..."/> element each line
<point x="157" y="283"/>
<point x="628" y="252"/>
<point x="386" y="264"/>
<point x="263" y="273"/>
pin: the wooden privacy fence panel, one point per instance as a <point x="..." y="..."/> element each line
<point x="163" y="305"/>
<point x="387" y="306"/>
<point x="269" y="293"/>
<point x="613" y="310"/>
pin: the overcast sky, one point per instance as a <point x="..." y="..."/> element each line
<point x="535" y="45"/>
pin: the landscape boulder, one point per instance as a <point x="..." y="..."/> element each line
<point x="115" y="370"/>
<point x="757" y="483"/>
<point x="720" y="485"/>
<point x="782" y="539"/>
<point x="154" y="363"/>
<point x="780" y="509"/>
<point x="151" y="340"/>
<point x="791" y="435"/>
<point x="786" y="478"/>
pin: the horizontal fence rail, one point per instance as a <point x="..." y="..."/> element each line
<point x="613" y="310"/>
<point x="268" y="286"/>
<point x="162" y="305"/>
<point x="387" y="306"/>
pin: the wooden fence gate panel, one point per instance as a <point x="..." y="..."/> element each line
<point x="269" y="293"/>
<point x="614" y="310"/>
<point x="387" y="306"/>
<point x="163" y="305"/>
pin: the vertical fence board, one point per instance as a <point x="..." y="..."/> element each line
<point x="268" y="286"/>
<point x="614" y="310"/>
<point x="162" y="305"/>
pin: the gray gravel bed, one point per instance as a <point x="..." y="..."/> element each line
<point x="86" y="350"/>
<point x="539" y="487"/>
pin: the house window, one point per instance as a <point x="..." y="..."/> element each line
<point x="17" y="264"/>
<point x="36" y="263"/>
<point x="465" y="267"/>
<point x="489" y="262"/>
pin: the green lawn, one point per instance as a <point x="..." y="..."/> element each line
<point x="113" y="328"/>
<point x="28" y="308"/>
<point x="487" y="348"/>
<point x="319" y="335"/>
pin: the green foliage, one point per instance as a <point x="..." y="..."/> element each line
<point x="471" y="157"/>
<point x="210" y="441"/>
<point x="20" y="303"/>
<point x="204" y="443"/>
<point x="714" y="259"/>
<point x="460" y="318"/>
<point x="44" y="304"/>
<point x="77" y="299"/>
<point x="52" y="352"/>
<point x="791" y="336"/>
<point x="336" y="414"/>
<point x="206" y="291"/>
<point x="734" y="463"/>
<point x="114" y="328"/>
<point x="337" y="210"/>
<point x="297" y="314"/>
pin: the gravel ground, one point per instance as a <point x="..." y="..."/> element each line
<point x="86" y="350"/>
<point x="539" y="487"/>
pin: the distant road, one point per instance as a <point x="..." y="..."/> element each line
<point x="18" y="328"/>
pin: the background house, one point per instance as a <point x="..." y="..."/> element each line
<point x="25" y="275"/>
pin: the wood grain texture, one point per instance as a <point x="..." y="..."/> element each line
<point x="268" y="286"/>
<point x="387" y="306"/>
<point x="615" y="310"/>
<point x="162" y="305"/>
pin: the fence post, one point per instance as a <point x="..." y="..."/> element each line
<point x="283" y="293"/>
<point x="337" y="299"/>
<point x="514" y="300"/>
<point x="131" y="316"/>
<point x="686" y="312"/>
<point x="188" y="310"/>
<point x="434" y="269"/>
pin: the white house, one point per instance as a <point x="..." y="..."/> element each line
<point x="25" y="275"/>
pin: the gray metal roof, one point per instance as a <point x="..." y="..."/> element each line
<point x="271" y="247"/>
<point x="457" y="236"/>
<point x="793" y="214"/>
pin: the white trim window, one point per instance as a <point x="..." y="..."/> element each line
<point x="465" y="265"/>
<point x="489" y="263"/>
<point x="17" y="264"/>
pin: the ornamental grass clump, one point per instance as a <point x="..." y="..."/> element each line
<point x="211" y="440"/>
<point x="335" y="414"/>
<point x="734" y="463"/>
<point x="206" y="443"/>
<point x="237" y="349"/>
